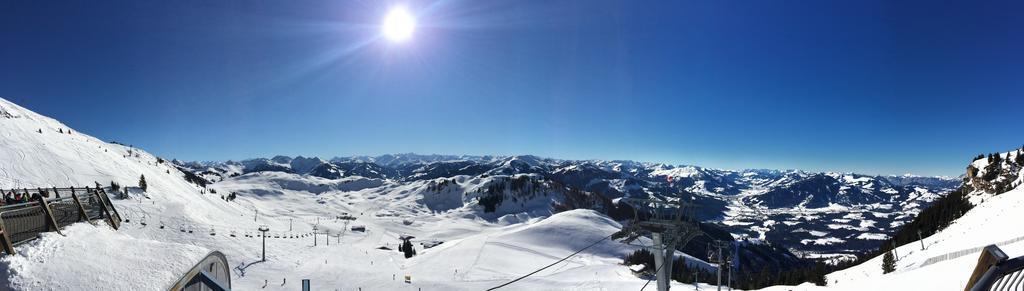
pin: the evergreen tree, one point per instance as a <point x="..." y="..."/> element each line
<point x="931" y="220"/>
<point x="640" y="257"/>
<point x="888" y="263"/>
<point x="407" y="249"/>
<point x="142" y="183"/>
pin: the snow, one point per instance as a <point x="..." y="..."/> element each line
<point x="476" y="251"/>
<point x="994" y="221"/>
<point x="99" y="258"/>
<point x="818" y="233"/>
<point x="872" y="236"/>
<point x="680" y="172"/>
<point x="822" y="241"/>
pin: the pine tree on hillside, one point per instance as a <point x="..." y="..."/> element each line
<point x="888" y="263"/>
<point x="142" y="183"/>
<point x="407" y="249"/>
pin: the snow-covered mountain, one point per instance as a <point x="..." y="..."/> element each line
<point x="945" y="260"/>
<point x="176" y="222"/>
<point x="809" y="213"/>
<point x="994" y="174"/>
<point x="478" y="220"/>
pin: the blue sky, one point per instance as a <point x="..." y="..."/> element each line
<point x="885" y="87"/>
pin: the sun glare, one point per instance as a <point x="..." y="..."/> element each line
<point x="398" y="25"/>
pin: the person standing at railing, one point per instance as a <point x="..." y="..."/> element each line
<point x="9" y="199"/>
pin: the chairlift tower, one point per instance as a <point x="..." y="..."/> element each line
<point x="672" y="222"/>
<point x="722" y="261"/>
<point x="264" y="229"/>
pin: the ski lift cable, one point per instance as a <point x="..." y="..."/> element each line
<point x="171" y="220"/>
<point x="552" y="264"/>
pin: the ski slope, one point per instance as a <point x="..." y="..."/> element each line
<point x="174" y="224"/>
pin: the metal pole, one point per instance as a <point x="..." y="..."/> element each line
<point x="919" y="238"/>
<point x="728" y="282"/>
<point x="314" y="235"/>
<point x="289" y="224"/>
<point x="670" y="257"/>
<point x="895" y="254"/>
<point x="264" y="230"/>
<point x="735" y="250"/>
<point x="659" y="262"/>
<point x="720" y="263"/>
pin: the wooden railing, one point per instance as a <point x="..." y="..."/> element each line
<point x="996" y="271"/>
<point x="51" y="209"/>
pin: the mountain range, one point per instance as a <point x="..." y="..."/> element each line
<point x="809" y="213"/>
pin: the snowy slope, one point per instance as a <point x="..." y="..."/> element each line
<point x="116" y="259"/>
<point x="175" y="223"/>
<point x="477" y="249"/>
<point x="36" y="154"/>
<point x="851" y="213"/>
<point x="38" y="151"/>
<point x="948" y="257"/>
<point x="996" y="220"/>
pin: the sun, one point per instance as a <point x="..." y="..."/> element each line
<point x="398" y="25"/>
